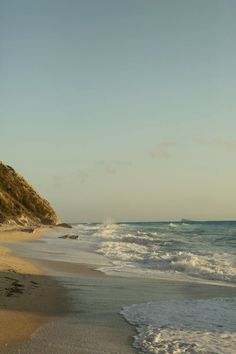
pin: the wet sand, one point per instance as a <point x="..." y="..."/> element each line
<point x="92" y="324"/>
<point x="28" y="297"/>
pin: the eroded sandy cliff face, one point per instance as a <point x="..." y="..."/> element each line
<point x="20" y="203"/>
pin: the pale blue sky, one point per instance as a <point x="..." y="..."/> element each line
<point x="122" y="109"/>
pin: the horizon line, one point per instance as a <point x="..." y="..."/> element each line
<point x="151" y="221"/>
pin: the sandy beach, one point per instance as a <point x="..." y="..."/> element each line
<point x="91" y="323"/>
<point x="28" y="297"/>
<point x="33" y="299"/>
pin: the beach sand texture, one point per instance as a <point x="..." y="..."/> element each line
<point x="28" y="298"/>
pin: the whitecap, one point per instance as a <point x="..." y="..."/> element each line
<point x="172" y="225"/>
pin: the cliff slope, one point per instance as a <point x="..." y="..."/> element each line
<point x="20" y="203"/>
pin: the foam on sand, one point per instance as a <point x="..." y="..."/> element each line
<point x="184" y="326"/>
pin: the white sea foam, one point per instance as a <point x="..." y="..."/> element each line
<point x="125" y="251"/>
<point x="171" y="224"/>
<point x="201" y="251"/>
<point x="184" y="326"/>
<point x="204" y="265"/>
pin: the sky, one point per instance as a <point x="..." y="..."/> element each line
<point x="121" y="110"/>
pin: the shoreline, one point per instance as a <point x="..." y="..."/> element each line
<point x="89" y="335"/>
<point x="94" y="302"/>
<point x="28" y="297"/>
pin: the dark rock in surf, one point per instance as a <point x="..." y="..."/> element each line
<point x="69" y="237"/>
<point x="65" y="225"/>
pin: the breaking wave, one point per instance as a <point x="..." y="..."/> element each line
<point x="204" y="251"/>
<point x="162" y="331"/>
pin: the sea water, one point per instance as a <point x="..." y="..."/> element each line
<point x="202" y="250"/>
<point x="194" y="252"/>
<point x="176" y="250"/>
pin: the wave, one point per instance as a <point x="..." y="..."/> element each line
<point x="123" y="251"/>
<point x="86" y="227"/>
<point x="106" y="229"/>
<point x="184" y="326"/>
<point x="171" y="224"/>
<point x="202" y="251"/>
<point x="205" y="265"/>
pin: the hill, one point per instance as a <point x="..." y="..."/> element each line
<point x="20" y="203"/>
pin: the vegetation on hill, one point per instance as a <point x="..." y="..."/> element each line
<point x="20" y="203"/>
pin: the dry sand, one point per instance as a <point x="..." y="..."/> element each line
<point x="28" y="297"/>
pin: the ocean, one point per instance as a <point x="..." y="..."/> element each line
<point x="174" y="250"/>
<point x="204" y="250"/>
<point x="194" y="253"/>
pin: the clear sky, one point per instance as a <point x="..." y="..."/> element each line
<point x="122" y="110"/>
